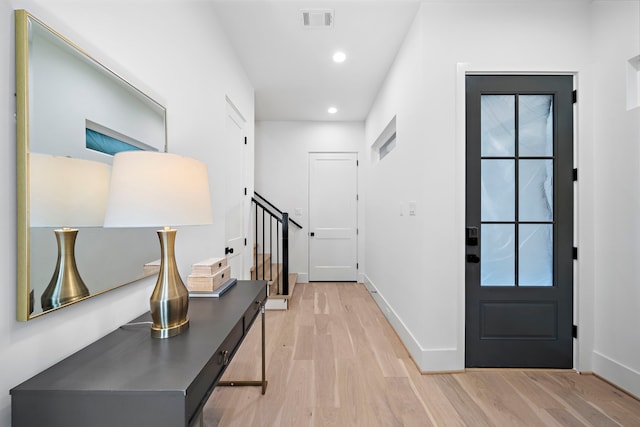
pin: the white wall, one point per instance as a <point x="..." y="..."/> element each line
<point x="282" y="174"/>
<point x="176" y="51"/>
<point x="616" y="355"/>
<point x="424" y="296"/>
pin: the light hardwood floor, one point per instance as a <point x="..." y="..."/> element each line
<point x="334" y="360"/>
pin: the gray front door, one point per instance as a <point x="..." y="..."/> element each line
<point x="519" y="218"/>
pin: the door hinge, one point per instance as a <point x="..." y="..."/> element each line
<point x="357" y="162"/>
<point x="575" y="174"/>
<point x="357" y="265"/>
<point x="574" y="331"/>
<point x="574" y="96"/>
<point x="575" y="253"/>
<point x="245" y="140"/>
<point x="357" y="231"/>
<point x="357" y="197"/>
<point x="245" y="191"/>
<point x="245" y="241"/>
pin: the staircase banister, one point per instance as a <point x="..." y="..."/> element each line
<point x="261" y="197"/>
<point x="295" y="223"/>
<point x="271" y="206"/>
<point x="266" y="209"/>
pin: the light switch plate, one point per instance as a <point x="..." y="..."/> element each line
<point x="412" y="208"/>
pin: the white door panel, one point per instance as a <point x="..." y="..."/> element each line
<point x="334" y="233"/>
<point x="333" y="217"/>
<point x="234" y="191"/>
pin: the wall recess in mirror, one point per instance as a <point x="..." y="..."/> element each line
<point x="62" y="95"/>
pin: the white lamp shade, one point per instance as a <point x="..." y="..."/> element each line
<point x="152" y="189"/>
<point x="67" y="192"/>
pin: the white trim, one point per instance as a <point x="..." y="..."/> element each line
<point x="239" y="117"/>
<point x="622" y="376"/>
<point x="435" y="360"/>
<point x="460" y="202"/>
<point x="387" y="138"/>
<point x="276" y="304"/>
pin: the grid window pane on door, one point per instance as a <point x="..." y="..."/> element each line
<point x="517" y="165"/>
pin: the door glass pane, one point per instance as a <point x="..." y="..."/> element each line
<point x="535" y="190"/>
<point x="497" y="125"/>
<point x="497" y="190"/>
<point x="535" y="255"/>
<point x="497" y="255"/>
<point x="535" y="120"/>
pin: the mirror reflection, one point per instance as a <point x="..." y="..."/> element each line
<point x="73" y="114"/>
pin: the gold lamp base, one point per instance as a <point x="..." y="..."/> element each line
<point x="169" y="332"/>
<point x="66" y="285"/>
<point x="170" y="298"/>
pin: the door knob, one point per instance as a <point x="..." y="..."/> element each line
<point x="473" y="258"/>
<point x="312" y="234"/>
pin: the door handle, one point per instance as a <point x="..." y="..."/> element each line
<point x="312" y="234"/>
<point x="223" y="358"/>
<point x="228" y="251"/>
<point x="473" y="258"/>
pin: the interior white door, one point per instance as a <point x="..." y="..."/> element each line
<point x="333" y="217"/>
<point x="234" y="191"/>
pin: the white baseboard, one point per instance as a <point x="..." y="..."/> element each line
<point x="276" y="304"/>
<point x="304" y="278"/>
<point x="622" y="376"/>
<point x="428" y="360"/>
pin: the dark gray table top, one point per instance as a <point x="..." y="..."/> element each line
<point x="129" y="360"/>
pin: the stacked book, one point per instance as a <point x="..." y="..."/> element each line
<point x="150" y="268"/>
<point x="208" y="276"/>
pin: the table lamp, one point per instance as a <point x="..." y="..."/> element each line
<point x="67" y="193"/>
<point x="152" y="189"/>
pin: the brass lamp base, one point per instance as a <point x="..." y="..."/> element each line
<point x="169" y="332"/>
<point x="170" y="298"/>
<point x="66" y="285"/>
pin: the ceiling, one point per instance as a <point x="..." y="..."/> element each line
<point x="291" y="67"/>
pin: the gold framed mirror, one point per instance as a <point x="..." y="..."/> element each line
<point x="72" y="114"/>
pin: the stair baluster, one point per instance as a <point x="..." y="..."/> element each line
<point x="270" y="215"/>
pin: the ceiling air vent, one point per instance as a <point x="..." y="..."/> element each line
<point x="317" y="18"/>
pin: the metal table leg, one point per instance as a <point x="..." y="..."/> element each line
<point x="262" y="383"/>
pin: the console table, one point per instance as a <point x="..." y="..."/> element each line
<point x="128" y="378"/>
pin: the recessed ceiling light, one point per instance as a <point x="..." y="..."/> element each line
<point x="332" y="110"/>
<point x="339" y="57"/>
